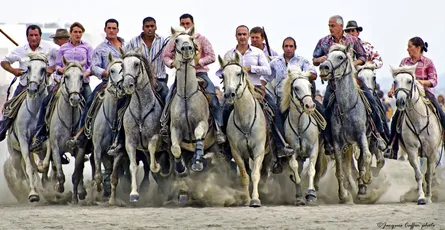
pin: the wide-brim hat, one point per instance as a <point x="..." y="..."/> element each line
<point x="353" y="25"/>
<point x="61" y="33"/>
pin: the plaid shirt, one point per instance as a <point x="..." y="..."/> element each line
<point x="323" y="45"/>
<point x="371" y="54"/>
<point x="425" y="70"/>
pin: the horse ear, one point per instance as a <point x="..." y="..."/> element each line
<point x="348" y="47"/>
<point x="64" y="61"/>
<point x="83" y="62"/>
<point x="221" y="61"/>
<point x="121" y="51"/>
<point x="139" y="50"/>
<point x="237" y="58"/>
<point x="110" y="57"/>
<point x="191" y="31"/>
<point x="173" y="31"/>
<point x="392" y="71"/>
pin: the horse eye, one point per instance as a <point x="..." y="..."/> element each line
<point x="409" y="82"/>
<point x="340" y="57"/>
<point x="112" y="71"/>
<point x="176" y="40"/>
<point x="374" y="78"/>
<point x="239" y="74"/>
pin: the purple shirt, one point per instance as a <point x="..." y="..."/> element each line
<point x="81" y="52"/>
<point x="323" y="45"/>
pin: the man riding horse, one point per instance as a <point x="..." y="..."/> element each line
<point x="19" y="54"/>
<point x="320" y="55"/>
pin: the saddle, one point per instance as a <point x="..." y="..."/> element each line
<point x="92" y="112"/>
<point x="11" y="107"/>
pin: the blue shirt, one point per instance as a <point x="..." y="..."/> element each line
<point x="100" y="56"/>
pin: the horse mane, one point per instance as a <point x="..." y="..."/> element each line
<point x="73" y="64"/>
<point x="293" y="72"/>
<point x="37" y="56"/>
<point x="145" y="63"/>
<point x="367" y="65"/>
<point x="411" y="70"/>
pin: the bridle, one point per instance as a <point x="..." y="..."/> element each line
<point x="69" y="93"/>
<point x="300" y="100"/>
<point x="113" y="88"/>
<point x="334" y="68"/>
<point x="408" y="92"/>
<point x="241" y="79"/>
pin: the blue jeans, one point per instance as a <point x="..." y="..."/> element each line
<point x="89" y="100"/>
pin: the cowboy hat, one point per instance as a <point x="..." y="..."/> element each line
<point x="353" y="25"/>
<point x="61" y="33"/>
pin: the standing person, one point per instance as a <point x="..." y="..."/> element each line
<point x="255" y="63"/>
<point x="207" y="57"/>
<point x="321" y="51"/>
<point x="425" y="74"/>
<point x="152" y="45"/>
<point x="19" y="54"/>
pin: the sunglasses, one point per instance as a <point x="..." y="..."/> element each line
<point x="350" y="30"/>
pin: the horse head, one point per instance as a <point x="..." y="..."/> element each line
<point x="366" y="73"/>
<point x="132" y="67"/>
<point x="338" y="63"/>
<point x="405" y="85"/>
<point x="297" y="89"/>
<point x="36" y="73"/>
<point x="72" y="81"/>
<point x="115" y="77"/>
<point x="186" y="46"/>
<point x="234" y="77"/>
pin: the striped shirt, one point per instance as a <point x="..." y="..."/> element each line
<point x="279" y="69"/>
<point x="153" y="54"/>
<point x="425" y="70"/>
<point x="100" y="56"/>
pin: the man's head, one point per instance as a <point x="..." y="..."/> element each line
<point x="33" y="35"/>
<point x="60" y="37"/>
<point x="257" y="37"/>
<point x="111" y="28"/>
<point x="149" y="26"/>
<point x="353" y="29"/>
<point x="186" y="21"/>
<point x="289" y="47"/>
<point x="336" y="25"/>
<point x="242" y="35"/>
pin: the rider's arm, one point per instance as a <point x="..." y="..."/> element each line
<point x="432" y="75"/>
<point x="97" y="63"/>
<point x="263" y="68"/>
<point x="360" y="53"/>
<point x="207" y="53"/>
<point x="169" y="53"/>
<point x="318" y="56"/>
<point x="11" y="58"/>
<point x="308" y="67"/>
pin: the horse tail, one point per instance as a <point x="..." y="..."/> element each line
<point x="322" y="163"/>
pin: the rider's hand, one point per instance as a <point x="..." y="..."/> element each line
<point x="322" y="59"/>
<point x="247" y="68"/>
<point x="50" y="70"/>
<point x="61" y="70"/>
<point x="17" y="72"/>
<point x="391" y="93"/>
<point x="105" y="74"/>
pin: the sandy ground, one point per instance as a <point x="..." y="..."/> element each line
<point x="392" y="207"/>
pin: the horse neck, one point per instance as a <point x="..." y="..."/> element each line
<point x="244" y="108"/>
<point x="143" y="96"/>
<point x="345" y="91"/>
<point x="35" y="103"/>
<point x="110" y="105"/>
<point x="297" y="114"/>
<point x="186" y="80"/>
<point x="417" y="107"/>
<point x="69" y="114"/>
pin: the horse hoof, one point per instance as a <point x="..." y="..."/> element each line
<point x="362" y="190"/>
<point x="134" y="198"/>
<point x="198" y="166"/>
<point x="311" y="197"/>
<point x="60" y="188"/>
<point x="74" y="200"/>
<point x="255" y="203"/>
<point x="183" y="199"/>
<point x="180" y="167"/>
<point x="82" y="195"/>
<point x="422" y="201"/>
<point x="34" y="198"/>
<point x="300" y="202"/>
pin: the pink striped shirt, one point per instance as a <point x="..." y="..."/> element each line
<point x="207" y="53"/>
<point x="425" y="70"/>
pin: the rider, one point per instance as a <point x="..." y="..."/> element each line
<point x="207" y="57"/>
<point x="19" y="54"/>
<point x="60" y="38"/>
<point x="100" y="63"/>
<point x="372" y="56"/>
<point x="257" y="40"/>
<point x="279" y="72"/>
<point x="320" y="55"/>
<point x="255" y="63"/>
<point x="152" y="46"/>
<point x="425" y="74"/>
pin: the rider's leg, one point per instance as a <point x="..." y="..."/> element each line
<point x="41" y="135"/>
<point x="327" y="134"/>
<point x="165" y="123"/>
<point x="162" y="88"/>
<point x="6" y="122"/>
<point x="393" y="137"/>
<point x="278" y="132"/>
<point x="436" y="104"/>
<point x="215" y="107"/>
<point x="119" y="138"/>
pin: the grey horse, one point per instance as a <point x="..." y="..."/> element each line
<point x="65" y="117"/>
<point x="246" y="127"/>
<point x="302" y="130"/>
<point x="348" y="121"/>
<point x="24" y="127"/>
<point x="142" y="117"/>
<point x="419" y="127"/>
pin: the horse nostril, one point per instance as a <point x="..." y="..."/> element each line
<point x="131" y="85"/>
<point x="232" y="94"/>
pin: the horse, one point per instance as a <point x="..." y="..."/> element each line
<point x="189" y="111"/>
<point x="302" y="131"/>
<point x="141" y="118"/>
<point x="23" y="128"/>
<point x="419" y="127"/>
<point x="348" y="121"/>
<point x="65" y="117"/>
<point x="246" y="127"/>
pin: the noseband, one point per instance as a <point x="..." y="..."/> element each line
<point x="66" y="86"/>
<point x="338" y="66"/>
<point x="409" y="92"/>
<point x="241" y="80"/>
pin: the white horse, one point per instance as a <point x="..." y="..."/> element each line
<point x="419" y="127"/>
<point x="246" y="127"/>
<point x="303" y="132"/>
<point x="23" y="129"/>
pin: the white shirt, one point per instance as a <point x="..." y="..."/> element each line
<point x="259" y="65"/>
<point x="19" y="54"/>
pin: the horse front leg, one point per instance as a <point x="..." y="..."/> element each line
<point x="77" y="174"/>
<point x="198" y="157"/>
<point x="245" y="180"/>
<point x="256" y="175"/>
<point x="414" y="161"/>
<point x="33" y="196"/>
<point x="57" y="161"/>
<point x="131" y="151"/>
<point x="365" y="160"/>
<point x="114" y="178"/>
<point x="295" y="177"/>
<point x="97" y="175"/>
<point x="311" y="195"/>
<point x="176" y="138"/>
<point x="431" y="165"/>
<point x="152" y="147"/>
<point x="343" y="194"/>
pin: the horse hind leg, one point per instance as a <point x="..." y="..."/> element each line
<point x="295" y="177"/>
<point x="245" y="180"/>
<point x="343" y="194"/>
<point x="429" y="177"/>
<point x="198" y="156"/>
<point x="414" y="161"/>
<point x="15" y="178"/>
